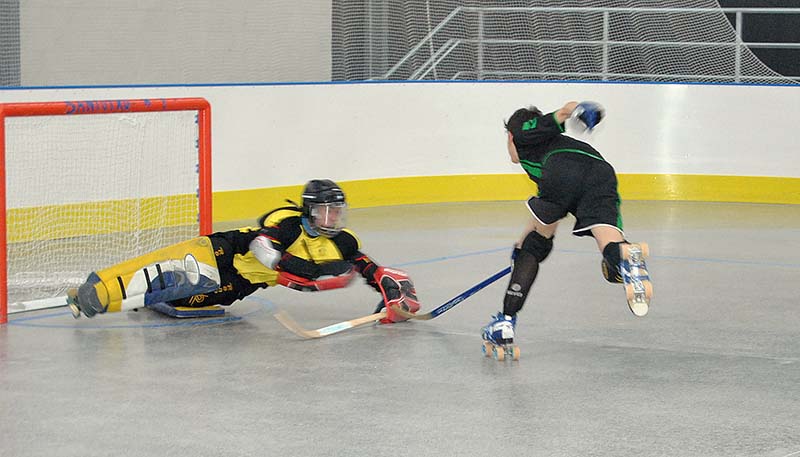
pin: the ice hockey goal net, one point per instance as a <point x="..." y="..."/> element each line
<point x="87" y="184"/>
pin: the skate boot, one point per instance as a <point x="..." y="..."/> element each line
<point x="87" y="298"/>
<point x="611" y="273"/>
<point x="498" y="338"/>
<point x="635" y="277"/>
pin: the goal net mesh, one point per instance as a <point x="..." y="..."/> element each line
<point x="87" y="191"/>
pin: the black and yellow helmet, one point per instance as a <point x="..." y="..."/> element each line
<point x="324" y="206"/>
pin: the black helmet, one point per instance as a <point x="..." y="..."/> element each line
<point x="324" y="206"/>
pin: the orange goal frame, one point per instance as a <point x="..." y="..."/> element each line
<point x="71" y="108"/>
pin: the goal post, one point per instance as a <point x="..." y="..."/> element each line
<point x="87" y="184"/>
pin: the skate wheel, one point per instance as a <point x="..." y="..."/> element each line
<point x="499" y="353"/>
<point x="648" y="290"/>
<point x="624" y="251"/>
<point x="487" y="349"/>
<point x="76" y="312"/>
<point x="629" y="292"/>
<point x="639" y="309"/>
<point x="645" y="250"/>
<point x="515" y="353"/>
<point x="72" y="299"/>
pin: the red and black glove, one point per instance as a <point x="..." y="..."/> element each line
<point x="397" y="291"/>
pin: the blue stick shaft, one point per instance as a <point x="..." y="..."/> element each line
<point x="468" y="293"/>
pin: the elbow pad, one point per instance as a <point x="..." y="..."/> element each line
<point x="265" y="252"/>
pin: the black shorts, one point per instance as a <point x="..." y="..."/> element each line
<point x="583" y="186"/>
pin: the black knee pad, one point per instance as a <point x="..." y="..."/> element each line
<point x="537" y="245"/>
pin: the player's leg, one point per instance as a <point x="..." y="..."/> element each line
<point x="177" y="271"/>
<point x="609" y="239"/>
<point x="598" y="215"/>
<point x="532" y="249"/>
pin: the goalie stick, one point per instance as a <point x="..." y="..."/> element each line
<point x="287" y="321"/>
<point x="449" y="304"/>
<point x="295" y="328"/>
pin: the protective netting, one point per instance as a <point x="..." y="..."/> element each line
<point x="86" y="192"/>
<point x="9" y="43"/>
<point x="641" y="40"/>
<point x="123" y="42"/>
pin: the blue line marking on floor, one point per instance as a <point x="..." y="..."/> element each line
<point x="268" y="305"/>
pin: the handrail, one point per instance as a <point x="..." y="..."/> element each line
<point x="444" y="50"/>
<point x="598" y="9"/>
<point x="437" y="56"/>
<point x="422" y="42"/>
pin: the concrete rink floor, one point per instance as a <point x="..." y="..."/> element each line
<point x="713" y="370"/>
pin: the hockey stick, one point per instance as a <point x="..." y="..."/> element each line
<point x="455" y="300"/>
<point x="287" y="321"/>
<point x="295" y="328"/>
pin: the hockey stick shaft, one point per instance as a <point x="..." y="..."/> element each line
<point x="295" y="328"/>
<point x="287" y="321"/>
<point x="449" y="304"/>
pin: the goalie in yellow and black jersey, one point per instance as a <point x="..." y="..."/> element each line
<point x="303" y="247"/>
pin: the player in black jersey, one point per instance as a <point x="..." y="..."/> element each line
<point x="572" y="177"/>
<point x="303" y="247"/>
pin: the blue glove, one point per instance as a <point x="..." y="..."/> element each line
<point x="589" y="113"/>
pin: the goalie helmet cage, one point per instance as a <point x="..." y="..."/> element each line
<point x="87" y="184"/>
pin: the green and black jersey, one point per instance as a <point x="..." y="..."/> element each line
<point x="540" y="138"/>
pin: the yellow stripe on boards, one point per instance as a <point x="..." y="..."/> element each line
<point x="243" y="205"/>
<point x="710" y="188"/>
<point x="97" y="218"/>
<point x="235" y="205"/>
<point x="249" y="204"/>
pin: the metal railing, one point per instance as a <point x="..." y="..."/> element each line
<point x="605" y="44"/>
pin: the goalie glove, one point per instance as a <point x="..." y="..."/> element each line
<point x="397" y="291"/>
<point x="589" y="114"/>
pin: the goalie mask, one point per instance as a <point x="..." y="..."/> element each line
<point x="324" y="207"/>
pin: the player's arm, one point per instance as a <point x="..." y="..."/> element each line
<point x="297" y="273"/>
<point x="349" y="245"/>
<point x="565" y="112"/>
<point x="270" y="246"/>
<point x="268" y="252"/>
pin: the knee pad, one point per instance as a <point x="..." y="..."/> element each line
<point x="537" y="245"/>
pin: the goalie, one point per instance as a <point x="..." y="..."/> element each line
<point x="306" y="248"/>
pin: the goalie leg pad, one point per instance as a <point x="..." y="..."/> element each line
<point x="92" y="296"/>
<point x="171" y="273"/>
